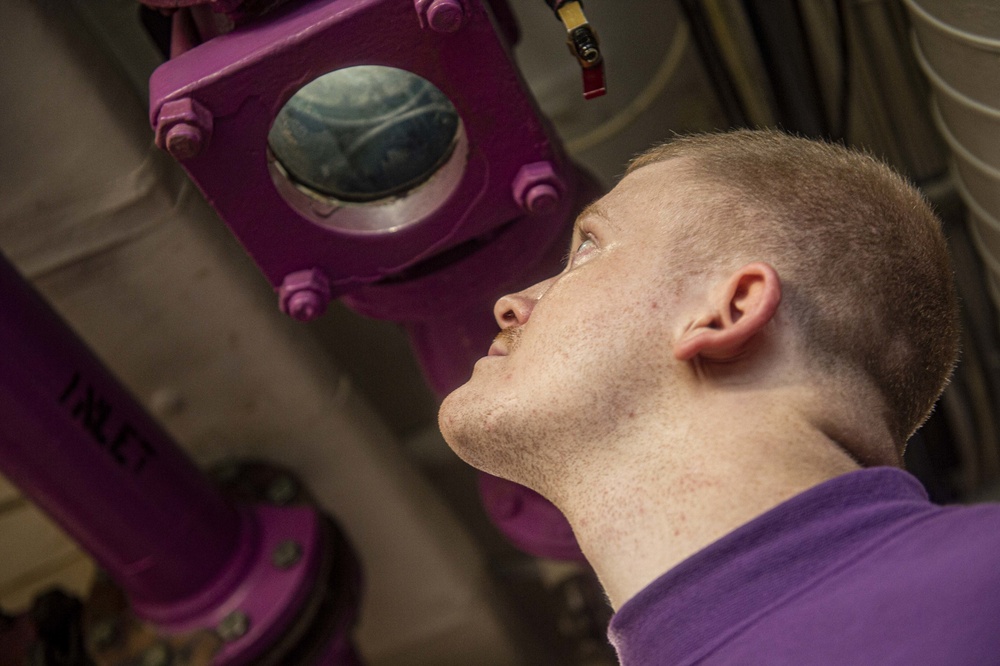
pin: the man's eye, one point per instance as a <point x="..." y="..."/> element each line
<point x="582" y="250"/>
<point x="587" y="244"/>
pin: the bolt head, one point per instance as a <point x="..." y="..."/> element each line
<point x="537" y="188"/>
<point x="104" y="634"/>
<point x="183" y="127"/>
<point x="305" y="305"/>
<point x="286" y="554"/>
<point x="304" y="295"/>
<point x="445" y="15"/>
<point x="184" y="141"/>
<point x="158" y="654"/>
<point x="541" y="198"/>
<point x="234" y="626"/>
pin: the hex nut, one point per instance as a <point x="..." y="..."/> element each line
<point x="183" y="128"/>
<point x="234" y="626"/>
<point x="440" y="15"/>
<point x="184" y="141"/>
<point x="158" y="654"/>
<point x="305" y="305"/>
<point x="286" y="554"/>
<point x="537" y="188"/>
<point x="104" y="633"/>
<point x="304" y="295"/>
<point x="541" y="198"/>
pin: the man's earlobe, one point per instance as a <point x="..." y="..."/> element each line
<point x="744" y="305"/>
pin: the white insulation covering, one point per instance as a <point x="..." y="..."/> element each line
<point x="957" y="43"/>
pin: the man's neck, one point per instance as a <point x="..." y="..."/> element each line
<point x="640" y="517"/>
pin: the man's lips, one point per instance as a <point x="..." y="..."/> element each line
<point x="496" y="349"/>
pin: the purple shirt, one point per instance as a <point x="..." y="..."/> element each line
<point x="861" y="569"/>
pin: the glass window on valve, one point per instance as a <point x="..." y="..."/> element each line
<point x="360" y="136"/>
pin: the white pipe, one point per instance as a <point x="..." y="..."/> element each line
<point x="964" y="71"/>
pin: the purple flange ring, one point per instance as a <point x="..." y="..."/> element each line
<point x="269" y="596"/>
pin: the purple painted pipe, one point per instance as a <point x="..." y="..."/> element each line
<point x="83" y="449"/>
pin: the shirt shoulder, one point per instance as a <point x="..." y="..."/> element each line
<point x="860" y="569"/>
<point x="929" y="593"/>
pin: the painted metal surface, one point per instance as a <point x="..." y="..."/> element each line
<point x="187" y="558"/>
<point x="492" y="220"/>
<point x="81" y="447"/>
<point x="113" y="234"/>
<point x="466" y="239"/>
<point x="264" y="597"/>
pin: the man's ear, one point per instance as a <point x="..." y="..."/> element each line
<point x="738" y="311"/>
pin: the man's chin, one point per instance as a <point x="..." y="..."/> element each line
<point x="460" y="420"/>
<point x="451" y="416"/>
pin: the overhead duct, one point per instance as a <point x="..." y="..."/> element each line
<point x="957" y="43"/>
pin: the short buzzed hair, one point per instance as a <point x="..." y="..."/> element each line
<point x="864" y="264"/>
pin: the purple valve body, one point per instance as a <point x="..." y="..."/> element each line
<point x="493" y="219"/>
<point x="463" y="240"/>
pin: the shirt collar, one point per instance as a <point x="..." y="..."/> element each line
<point x="704" y="597"/>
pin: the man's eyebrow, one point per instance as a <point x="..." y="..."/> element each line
<point x="594" y="209"/>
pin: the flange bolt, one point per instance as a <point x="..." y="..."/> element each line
<point x="441" y="15"/>
<point x="304" y="295"/>
<point x="537" y="188"/>
<point x="234" y="626"/>
<point x="157" y="654"/>
<point x="104" y="634"/>
<point x="184" y="141"/>
<point x="286" y="554"/>
<point x="183" y="128"/>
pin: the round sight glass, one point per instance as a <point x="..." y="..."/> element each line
<point x="364" y="134"/>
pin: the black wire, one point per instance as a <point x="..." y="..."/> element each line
<point x="778" y="27"/>
<point x="846" y="65"/>
<point x="714" y="63"/>
<point x="158" y="27"/>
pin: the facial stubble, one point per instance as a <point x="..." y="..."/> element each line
<point x="510" y="338"/>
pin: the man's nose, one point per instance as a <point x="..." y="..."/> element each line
<point x="515" y="309"/>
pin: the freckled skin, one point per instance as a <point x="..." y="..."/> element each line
<point x="569" y="375"/>
<point x="651" y="457"/>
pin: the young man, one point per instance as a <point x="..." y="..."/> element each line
<point x="716" y="391"/>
